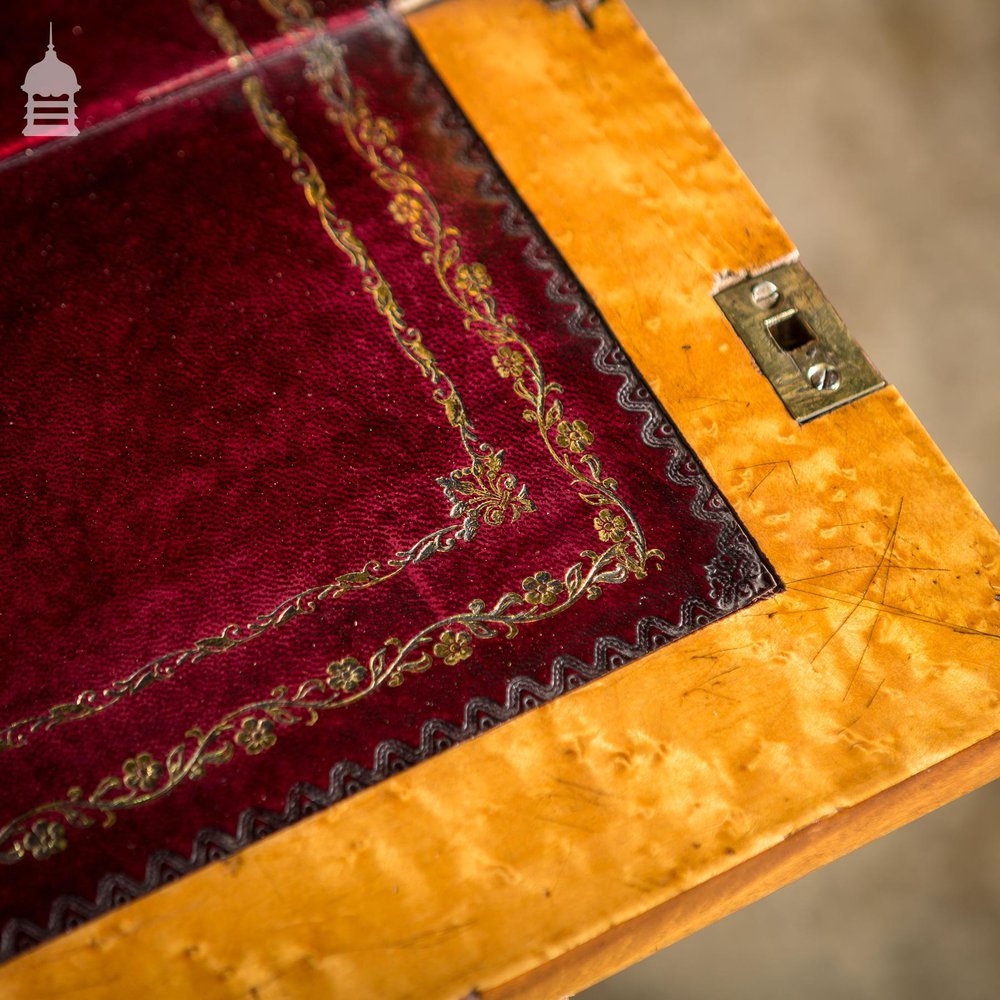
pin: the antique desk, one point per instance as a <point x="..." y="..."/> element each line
<point x="565" y="576"/>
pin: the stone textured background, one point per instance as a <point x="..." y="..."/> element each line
<point x="872" y="129"/>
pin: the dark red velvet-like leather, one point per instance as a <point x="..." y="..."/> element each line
<point x="203" y="414"/>
<point x="126" y="54"/>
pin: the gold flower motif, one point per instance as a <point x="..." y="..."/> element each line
<point x="611" y="527"/>
<point x="45" y="839"/>
<point x="453" y="647"/>
<point x="345" y="675"/>
<point x="573" y="434"/>
<point x="378" y="132"/>
<point x="472" y="278"/>
<point x="142" y="772"/>
<point x="508" y="362"/>
<point x="256" y="735"/>
<point x="404" y="208"/>
<point x="542" y="589"/>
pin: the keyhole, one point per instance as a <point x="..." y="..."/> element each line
<point x="790" y="332"/>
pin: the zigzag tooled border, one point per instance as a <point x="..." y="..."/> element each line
<point x="738" y="574"/>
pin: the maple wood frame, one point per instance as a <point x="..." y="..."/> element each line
<point x="578" y="838"/>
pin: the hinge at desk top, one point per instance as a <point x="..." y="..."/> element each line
<point x="584" y="9"/>
<point x="798" y="341"/>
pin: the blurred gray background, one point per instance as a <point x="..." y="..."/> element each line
<point x="872" y="129"/>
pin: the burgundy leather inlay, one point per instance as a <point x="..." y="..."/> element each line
<point x="314" y="459"/>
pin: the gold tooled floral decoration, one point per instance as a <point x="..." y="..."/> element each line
<point x="254" y="726"/>
<point x="453" y="647"/>
<point x="478" y="492"/>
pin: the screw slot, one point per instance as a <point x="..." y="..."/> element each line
<point x="765" y="294"/>
<point x="824" y="377"/>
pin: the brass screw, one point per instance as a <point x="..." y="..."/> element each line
<point x="824" y="377"/>
<point x="765" y="294"/>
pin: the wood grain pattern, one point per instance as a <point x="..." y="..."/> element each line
<point x="578" y="838"/>
<point x="803" y="852"/>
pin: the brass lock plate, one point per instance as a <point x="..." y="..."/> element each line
<point x="799" y="342"/>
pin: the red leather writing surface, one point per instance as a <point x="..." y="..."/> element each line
<point x="314" y="460"/>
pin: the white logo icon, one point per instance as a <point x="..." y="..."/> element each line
<point x="51" y="88"/>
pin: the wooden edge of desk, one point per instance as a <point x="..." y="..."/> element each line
<point x="801" y="853"/>
<point x="618" y="112"/>
<point x="551" y="851"/>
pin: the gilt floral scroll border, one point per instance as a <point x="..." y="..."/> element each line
<point x="482" y="492"/>
<point x="737" y="574"/>
<point x="252" y="727"/>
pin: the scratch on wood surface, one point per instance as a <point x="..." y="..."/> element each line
<point x="834" y="572"/>
<point x="767" y="475"/>
<point x="861" y="659"/>
<point x="897" y="612"/>
<point x="716" y="402"/>
<point x="590" y="790"/>
<point x="704" y="688"/>
<point x="722" y="673"/>
<point x="715" y="694"/>
<point x="564" y="822"/>
<point x="868" y="703"/>
<point x="716" y="653"/>
<point x="770" y="466"/>
<point x="892" y="550"/>
<point x="889" y="546"/>
<point x="790" y="611"/>
<point x="423" y="939"/>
